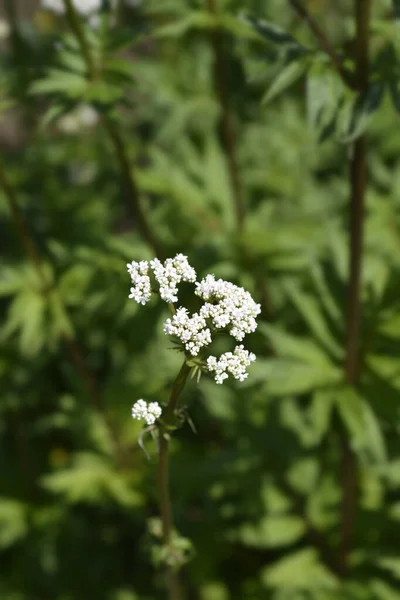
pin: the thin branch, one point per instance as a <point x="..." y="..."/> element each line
<point x="131" y="186"/>
<point x="324" y="43"/>
<point x="359" y="180"/>
<point x="76" y="26"/>
<point x="227" y="124"/>
<point x="21" y="225"/>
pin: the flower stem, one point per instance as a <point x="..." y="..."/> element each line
<point x="174" y="586"/>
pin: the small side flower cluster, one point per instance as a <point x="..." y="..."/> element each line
<point x="192" y="331"/>
<point x="234" y="363"/>
<point x="225" y="306"/>
<point x="141" y="290"/>
<point x="146" y="412"/>
<point x="168" y="275"/>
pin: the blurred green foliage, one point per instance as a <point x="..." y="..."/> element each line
<point x="258" y="489"/>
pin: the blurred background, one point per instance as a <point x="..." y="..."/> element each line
<point x="165" y="144"/>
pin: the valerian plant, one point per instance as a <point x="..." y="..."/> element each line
<point x="225" y="309"/>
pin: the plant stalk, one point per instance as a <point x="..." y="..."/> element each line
<point x="76" y="26"/>
<point x="174" y="585"/>
<point x="227" y="125"/>
<point x="358" y="184"/>
<point x="324" y="43"/>
<point x="131" y="187"/>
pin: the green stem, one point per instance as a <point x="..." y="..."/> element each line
<point x="76" y="26"/>
<point x="174" y="586"/>
<point x="359" y="180"/>
<point x="324" y="43"/>
<point x="21" y="225"/>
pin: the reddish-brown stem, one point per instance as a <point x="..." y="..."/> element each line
<point x="358" y="179"/>
<point x="227" y="125"/>
<point x="324" y="43"/>
<point x="131" y="187"/>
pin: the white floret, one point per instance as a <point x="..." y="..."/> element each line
<point x="231" y="363"/>
<point x="141" y="290"/>
<point x="146" y="412"/>
<point x="192" y="331"/>
<point x="228" y="306"/>
<point x="170" y="273"/>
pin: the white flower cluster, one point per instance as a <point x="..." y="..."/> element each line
<point x="225" y="306"/>
<point x="141" y="290"/>
<point x="234" y="363"/>
<point x="228" y="305"/>
<point x="147" y="412"/>
<point x="192" y="331"/>
<point x="168" y="275"/>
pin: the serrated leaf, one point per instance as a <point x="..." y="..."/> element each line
<point x="288" y="377"/>
<point x="362" y="426"/>
<point x="272" y="32"/>
<point x="287" y="76"/>
<point x="70" y="84"/>
<point x="301" y="570"/>
<point x="363" y="109"/>
<point x="310" y="310"/>
<point x="290" y="346"/>
<point x="272" y="531"/>
<point x="13" y="521"/>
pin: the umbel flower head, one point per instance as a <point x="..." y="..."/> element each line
<point x="225" y="308"/>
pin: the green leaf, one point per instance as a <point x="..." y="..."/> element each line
<point x="290" y="346"/>
<point x="13" y="521"/>
<point x="362" y="425"/>
<point x="91" y="479"/>
<point x="69" y="84"/>
<point x="287" y="377"/>
<point x="364" y="108"/>
<point x="272" y="33"/>
<point x="287" y="76"/>
<point x="310" y="310"/>
<point x="272" y="531"/>
<point x="300" y="570"/>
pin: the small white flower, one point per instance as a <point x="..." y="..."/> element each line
<point x="141" y="290"/>
<point x="170" y="273"/>
<point x="146" y="412"/>
<point x="233" y="363"/>
<point x="228" y="306"/>
<point x="191" y="330"/>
